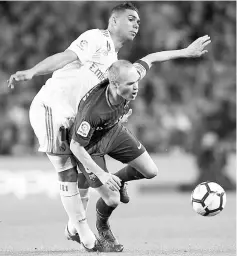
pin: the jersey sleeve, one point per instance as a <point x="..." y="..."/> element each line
<point x="142" y="67"/>
<point x="83" y="129"/>
<point x="86" y="45"/>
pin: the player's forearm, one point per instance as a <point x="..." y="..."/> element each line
<point x="82" y="155"/>
<point x="53" y="63"/>
<point x="164" y="56"/>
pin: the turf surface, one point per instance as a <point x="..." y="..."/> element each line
<point x="151" y="224"/>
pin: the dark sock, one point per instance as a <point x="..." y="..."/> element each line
<point x="103" y="211"/>
<point x="129" y="173"/>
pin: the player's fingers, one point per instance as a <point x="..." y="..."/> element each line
<point x="19" y="77"/>
<point x="206" y="43"/>
<point x="115" y="184"/>
<point x="203" y="52"/>
<point x="116" y="179"/>
<point x="205" y="37"/>
<point x="10" y="82"/>
<point x="113" y="187"/>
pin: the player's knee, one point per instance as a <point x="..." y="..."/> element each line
<point x="152" y="172"/>
<point x="113" y="200"/>
<point x="69" y="175"/>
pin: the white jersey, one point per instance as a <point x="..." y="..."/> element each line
<point x="63" y="92"/>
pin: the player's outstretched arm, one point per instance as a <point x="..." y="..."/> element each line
<point x="46" y="66"/>
<point x="112" y="181"/>
<point x="195" y="49"/>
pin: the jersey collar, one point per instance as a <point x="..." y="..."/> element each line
<point x="111" y="42"/>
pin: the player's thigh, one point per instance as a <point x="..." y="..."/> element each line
<point x="65" y="166"/>
<point x="50" y="128"/>
<point x="37" y="114"/>
<point x="126" y="148"/>
<point x="145" y="165"/>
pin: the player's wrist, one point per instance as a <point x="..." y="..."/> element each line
<point x="104" y="177"/>
<point x="32" y="72"/>
<point x="186" y="53"/>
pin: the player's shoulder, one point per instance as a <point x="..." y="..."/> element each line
<point x="92" y="32"/>
<point x="104" y="33"/>
<point x="99" y="35"/>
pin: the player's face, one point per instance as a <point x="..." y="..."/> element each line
<point x="128" y="24"/>
<point x="128" y="86"/>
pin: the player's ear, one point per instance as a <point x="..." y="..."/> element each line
<point x="114" y="20"/>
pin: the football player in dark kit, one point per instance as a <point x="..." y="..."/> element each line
<point x="97" y="132"/>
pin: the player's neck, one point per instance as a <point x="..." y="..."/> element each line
<point x="118" y="42"/>
<point x="112" y="96"/>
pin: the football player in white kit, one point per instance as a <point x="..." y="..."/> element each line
<point x="75" y="71"/>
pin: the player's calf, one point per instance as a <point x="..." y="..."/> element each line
<point x="103" y="212"/>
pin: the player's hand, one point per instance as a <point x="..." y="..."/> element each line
<point x="125" y="117"/>
<point x="24" y="75"/>
<point x="113" y="182"/>
<point x="197" y="48"/>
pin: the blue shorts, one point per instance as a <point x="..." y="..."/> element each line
<point x="120" y="144"/>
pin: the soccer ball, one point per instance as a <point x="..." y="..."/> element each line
<point x="208" y="198"/>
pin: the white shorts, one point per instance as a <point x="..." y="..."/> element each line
<point x="48" y="129"/>
<point x="62" y="162"/>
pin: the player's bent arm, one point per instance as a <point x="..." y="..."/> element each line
<point x="54" y="62"/>
<point x="195" y="49"/>
<point x="46" y="66"/>
<point x="82" y="155"/>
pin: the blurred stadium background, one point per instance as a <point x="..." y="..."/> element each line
<point x="185" y="113"/>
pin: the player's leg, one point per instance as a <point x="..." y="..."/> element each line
<point x="65" y="165"/>
<point x="126" y="148"/>
<point x="142" y="167"/>
<point x="75" y="209"/>
<point x="49" y="134"/>
<point x="105" y="205"/>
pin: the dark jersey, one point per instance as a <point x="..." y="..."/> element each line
<point x="96" y="116"/>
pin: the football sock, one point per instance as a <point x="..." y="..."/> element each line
<point x="103" y="211"/>
<point x="71" y="228"/>
<point x="84" y="193"/>
<point x="72" y="203"/>
<point x="129" y="173"/>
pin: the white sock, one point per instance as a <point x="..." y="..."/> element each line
<point x="84" y="193"/>
<point x="73" y="205"/>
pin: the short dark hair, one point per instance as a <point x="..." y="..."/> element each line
<point x="124" y="6"/>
